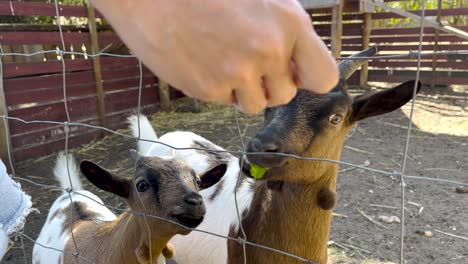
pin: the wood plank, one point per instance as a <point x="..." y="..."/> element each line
<point x="425" y="64"/>
<point x="38" y="150"/>
<point x="366" y="31"/>
<point x="426" y="78"/>
<point x="406" y="48"/>
<point x="41" y="9"/>
<point x="314" y="4"/>
<point x="44" y="136"/>
<point x="128" y="99"/>
<point x="47" y="67"/>
<point x="53" y="38"/>
<point x="35" y="68"/>
<point x="56" y="143"/>
<point x="78" y="108"/>
<point x="388" y="15"/>
<point x="396" y="39"/>
<point x="126" y="84"/>
<point x="17" y="95"/>
<point x="31" y="83"/>
<point x="337" y="29"/>
<point x="97" y="65"/>
<point x="5" y="140"/>
<point x="41" y="96"/>
<point x="18" y="27"/>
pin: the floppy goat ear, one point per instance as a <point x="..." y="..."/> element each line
<point x="105" y="180"/>
<point x="212" y="176"/>
<point x="374" y="104"/>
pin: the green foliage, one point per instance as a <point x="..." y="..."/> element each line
<point x="413" y="5"/>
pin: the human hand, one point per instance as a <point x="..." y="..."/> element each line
<point x="250" y="53"/>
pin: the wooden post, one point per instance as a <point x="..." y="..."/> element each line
<point x="366" y="32"/>
<point x="436" y="45"/>
<point x="164" y="96"/>
<point x="97" y="65"/>
<point x="337" y="29"/>
<point x="5" y="142"/>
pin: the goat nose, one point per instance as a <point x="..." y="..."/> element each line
<point x="257" y="145"/>
<point x="193" y="199"/>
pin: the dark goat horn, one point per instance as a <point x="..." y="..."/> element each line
<point x="348" y="67"/>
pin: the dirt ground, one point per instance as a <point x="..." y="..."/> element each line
<point x="439" y="147"/>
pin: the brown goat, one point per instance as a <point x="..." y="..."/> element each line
<point x="291" y="208"/>
<point x="163" y="187"/>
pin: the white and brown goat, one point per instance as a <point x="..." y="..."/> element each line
<point x="290" y="209"/>
<point x="161" y="186"/>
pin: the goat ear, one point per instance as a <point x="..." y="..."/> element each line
<point x="374" y="104"/>
<point x="105" y="180"/>
<point x="212" y="176"/>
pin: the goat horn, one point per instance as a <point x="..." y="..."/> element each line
<point x="135" y="155"/>
<point x="348" y="67"/>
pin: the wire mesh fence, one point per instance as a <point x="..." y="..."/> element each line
<point x="399" y="176"/>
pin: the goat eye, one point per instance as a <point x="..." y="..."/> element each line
<point x="198" y="182"/>
<point x="335" y="119"/>
<point x="142" y="186"/>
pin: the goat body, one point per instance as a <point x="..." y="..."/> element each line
<point x="99" y="235"/>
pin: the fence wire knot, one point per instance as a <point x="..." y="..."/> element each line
<point x="60" y="52"/>
<point x="396" y="176"/>
<point x="241" y="241"/>
<point x="69" y="190"/>
<point x="66" y="127"/>
<point x="413" y="54"/>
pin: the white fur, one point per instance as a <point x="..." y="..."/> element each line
<point x="144" y="130"/>
<point x="3" y="243"/>
<point x="51" y="233"/>
<point x="221" y="213"/>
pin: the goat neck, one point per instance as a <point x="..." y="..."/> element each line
<point x="119" y="241"/>
<point x="295" y="219"/>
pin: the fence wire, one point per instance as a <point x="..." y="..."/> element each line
<point x="243" y="240"/>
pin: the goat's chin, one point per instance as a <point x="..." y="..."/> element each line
<point x="187" y="220"/>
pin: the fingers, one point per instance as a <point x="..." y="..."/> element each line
<point x="280" y="86"/>
<point x="316" y="69"/>
<point x="251" y="97"/>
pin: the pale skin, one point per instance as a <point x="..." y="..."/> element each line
<point x="251" y="53"/>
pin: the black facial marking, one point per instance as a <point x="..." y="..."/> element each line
<point x="153" y="178"/>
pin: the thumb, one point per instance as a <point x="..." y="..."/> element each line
<point x="316" y="69"/>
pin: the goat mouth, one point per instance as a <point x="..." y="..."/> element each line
<point x="189" y="221"/>
<point x="268" y="162"/>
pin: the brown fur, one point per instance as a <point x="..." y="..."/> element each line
<point x="296" y="218"/>
<point x="169" y="192"/>
<point x="218" y="188"/>
<point x="105" y="243"/>
<point x="275" y="215"/>
<point x="73" y="214"/>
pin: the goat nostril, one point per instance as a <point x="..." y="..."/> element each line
<point x="255" y="145"/>
<point x="193" y="199"/>
<point x="270" y="148"/>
